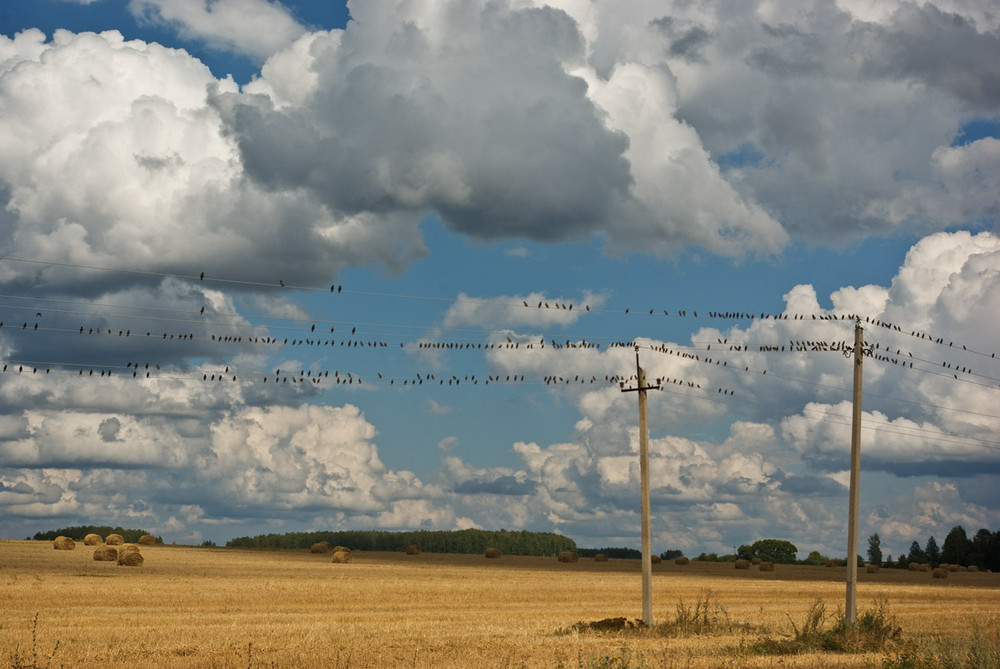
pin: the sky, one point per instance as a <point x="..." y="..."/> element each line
<point x="294" y="266"/>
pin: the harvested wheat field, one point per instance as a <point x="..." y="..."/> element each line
<point x="216" y="607"/>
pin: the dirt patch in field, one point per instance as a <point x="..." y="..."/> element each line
<point x="608" y="625"/>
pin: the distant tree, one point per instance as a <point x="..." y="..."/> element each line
<point x="815" y="558"/>
<point x="874" y="549"/>
<point x="775" y="550"/>
<point x="916" y="554"/>
<point x="745" y="552"/>
<point x="888" y="562"/>
<point x="672" y="554"/>
<point x="979" y="548"/>
<point x="933" y="552"/>
<point x="956" y="547"/>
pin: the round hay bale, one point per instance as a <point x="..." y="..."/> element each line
<point x="105" y="554"/>
<point x="130" y="558"/>
<point x="830" y="563"/>
<point x="341" y="557"/>
<point x="972" y="567"/>
<point x="147" y="540"/>
<point x="655" y="559"/>
<point x="600" y="557"/>
<point x="413" y="549"/>
<point x="342" y="549"/>
<point x="914" y="566"/>
<point x="63" y="544"/>
<point x="93" y="540"/>
<point x="321" y="547"/>
<point x="766" y="565"/>
<point x="925" y="567"/>
<point x="940" y="573"/>
<point x="682" y="560"/>
<point x="492" y="552"/>
<point x="953" y="567"/>
<point x="755" y="561"/>
<point x="871" y="568"/>
<point x="567" y="556"/>
<point x="742" y="564"/>
<point x="128" y="548"/>
<point x="114" y="540"/>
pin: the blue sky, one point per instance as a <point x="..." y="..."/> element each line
<point x="444" y="164"/>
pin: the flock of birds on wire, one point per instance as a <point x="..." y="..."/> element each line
<point x="875" y="351"/>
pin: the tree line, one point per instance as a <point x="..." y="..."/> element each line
<point x="78" y="532"/>
<point x="982" y="551"/>
<point x="521" y="542"/>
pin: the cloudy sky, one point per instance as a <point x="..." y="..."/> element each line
<point x="278" y="266"/>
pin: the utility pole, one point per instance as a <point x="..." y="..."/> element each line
<point x="647" y="556"/>
<point x="850" y="607"/>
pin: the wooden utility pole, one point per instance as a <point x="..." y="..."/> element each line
<point x="850" y="607"/>
<point x="647" y="555"/>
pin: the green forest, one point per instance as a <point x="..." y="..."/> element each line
<point x="519" y="542"/>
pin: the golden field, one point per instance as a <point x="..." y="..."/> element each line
<point x="217" y="607"/>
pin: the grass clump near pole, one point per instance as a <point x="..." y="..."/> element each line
<point x="875" y="630"/>
<point x="705" y="618"/>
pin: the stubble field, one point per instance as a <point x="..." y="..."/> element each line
<point x="201" y="607"/>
